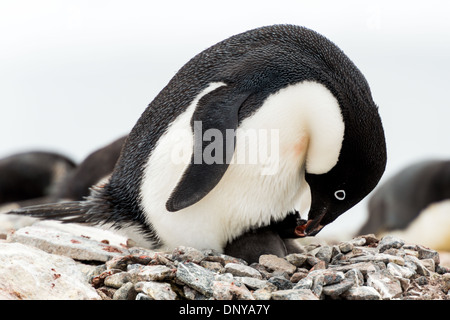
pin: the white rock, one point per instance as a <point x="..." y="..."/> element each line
<point x="66" y="244"/>
<point x="362" y="293"/>
<point x="84" y="231"/>
<point x="399" y="271"/>
<point x="32" y="274"/>
<point x="156" y="290"/>
<point x="13" y="221"/>
<point x="388" y="286"/>
<point x="241" y="270"/>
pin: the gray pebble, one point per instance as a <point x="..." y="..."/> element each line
<point x="125" y="292"/>
<point x="117" y="280"/>
<point x="196" y="277"/>
<point x="324" y="253"/>
<point x="337" y="289"/>
<point x="280" y="282"/>
<point x="362" y="293"/>
<point x="296" y="259"/>
<point x="156" y="290"/>
<point x="390" y="241"/>
<point x="275" y="263"/>
<point x="294" y="294"/>
<point x="242" y="270"/>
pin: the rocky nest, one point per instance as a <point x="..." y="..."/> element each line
<point x="364" y="268"/>
<point x="38" y="262"/>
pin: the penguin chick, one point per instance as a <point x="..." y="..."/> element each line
<point x="186" y="175"/>
<point x="274" y="239"/>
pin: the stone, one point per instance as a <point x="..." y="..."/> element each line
<point x="320" y="265"/>
<point x="125" y="292"/>
<point x="280" y="282"/>
<point x="65" y="244"/>
<point x="345" y="247"/>
<point x="156" y="290"/>
<point x="28" y="273"/>
<point x="305" y="283"/>
<point x="399" y="271"/>
<point x="335" y="251"/>
<point x="442" y="269"/>
<point x="446" y="282"/>
<point x="213" y="255"/>
<point x="361" y="293"/>
<point x="274" y="263"/>
<point x="356" y="276"/>
<point x="196" y="277"/>
<point x="381" y="257"/>
<point x="224" y="290"/>
<point x="188" y="254"/>
<point x="211" y="265"/>
<point x="324" y="253"/>
<point x="390" y="241"/>
<point x="422" y="281"/>
<point x="296" y="259"/>
<point x="420" y="268"/>
<point x="338" y="259"/>
<point x="429" y="264"/>
<point x="192" y="294"/>
<point x="425" y="253"/>
<point x="154" y="273"/>
<point x="262" y="294"/>
<point x="297" y="276"/>
<point x="364" y="267"/>
<point x="242" y="270"/>
<point x="313" y="261"/>
<point x="371" y="239"/>
<point x="358" y="241"/>
<point x="252" y="283"/>
<point x="410" y="252"/>
<point x="317" y="286"/>
<point x="337" y="289"/>
<point x="387" y="285"/>
<point x="143" y="296"/>
<point x="294" y="294"/>
<point x="106" y="293"/>
<point x="117" y="280"/>
<point x="122" y="262"/>
<point x="98" y="281"/>
<point x="266" y="274"/>
<point x="329" y="276"/>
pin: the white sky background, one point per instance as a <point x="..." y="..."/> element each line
<point x="75" y="75"/>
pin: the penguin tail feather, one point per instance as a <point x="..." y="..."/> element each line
<point x="66" y="212"/>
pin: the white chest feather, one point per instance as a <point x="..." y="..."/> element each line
<point x="299" y="127"/>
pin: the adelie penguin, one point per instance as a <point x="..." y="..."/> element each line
<point x="414" y="204"/>
<point x="181" y="178"/>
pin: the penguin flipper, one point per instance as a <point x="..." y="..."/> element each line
<point x="216" y="115"/>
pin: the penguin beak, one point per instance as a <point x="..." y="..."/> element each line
<point x="311" y="227"/>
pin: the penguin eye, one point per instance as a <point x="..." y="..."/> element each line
<point x="340" y="194"/>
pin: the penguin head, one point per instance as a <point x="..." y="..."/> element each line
<point x="360" y="165"/>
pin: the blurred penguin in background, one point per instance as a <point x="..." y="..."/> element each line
<point x="32" y="175"/>
<point x="96" y="167"/>
<point x="414" y="204"/>
<point x="32" y="178"/>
